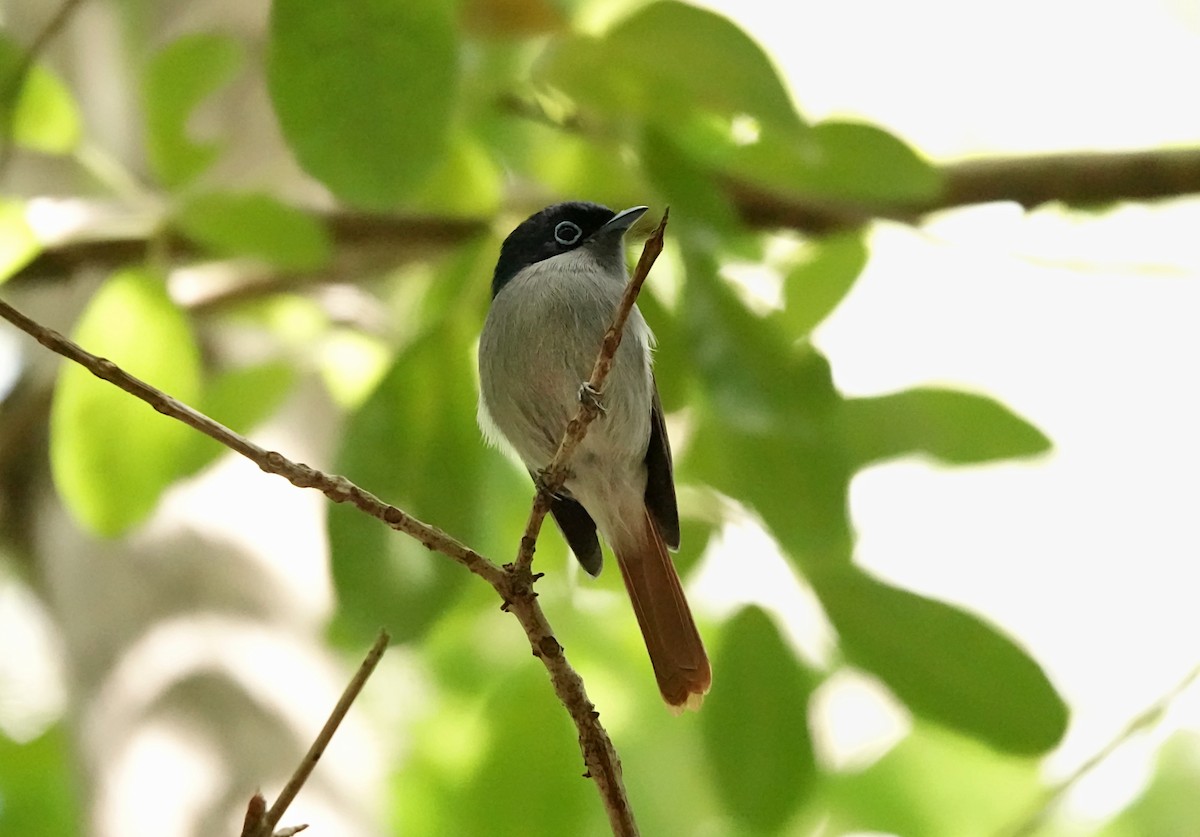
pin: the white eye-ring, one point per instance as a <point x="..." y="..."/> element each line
<point x="567" y="233"/>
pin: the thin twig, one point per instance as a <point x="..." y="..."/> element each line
<point x="336" y="488"/>
<point x="16" y="81"/>
<point x="1031" y="822"/>
<point x="266" y="822"/>
<point x="514" y="586"/>
<point x="555" y="474"/>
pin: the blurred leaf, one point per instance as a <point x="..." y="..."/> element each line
<point x="672" y="362"/>
<point x="762" y="432"/>
<point x="566" y="164"/>
<point x="42" y="114"/>
<point x="239" y="399"/>
<point x="864" y="162"/>
<point x="944" y="663"/>
<point x="413" y="443"/>
<point x="684" y="184"/>
<point x="1168" y="804"/>
<point x="797" y="485"/>
<point x="37" y="786"/>
<point x="694" y="537"/>
<point x="667" y="59"/>
<point x="755" y="726"/>
<point x="816" y="286"/>
<point x="465" y="183"/>
<point x="111" y="454"/>
<point x="528" y="735"/>
<point x="255" y="225"/>
<point x="18" y="244"/>
<point x="954" y="427"/>
<point x="755" y="376"/>
<point x="177" y="79"/>
<point x="837" y="161"/>
<point x="365" y="91"/>
<point x="11" y="56"/>
<point x="935" y="783"/>
<point x="352" y="363"/>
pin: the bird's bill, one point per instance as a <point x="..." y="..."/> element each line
<point x="623" y="220"/>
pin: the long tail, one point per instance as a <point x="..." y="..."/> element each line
<point x="676" y="651"/>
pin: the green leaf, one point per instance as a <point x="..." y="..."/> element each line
<point x="42" y="114"/>
<point x="763" y="434"/>
<point x="668" y="59"/>
<point x="37" y="786"/>
<point x="239" y="399"/>
<point x="684" y="184"/>
<point x="465" y="183"/>
<point x="18" y="244"/>
<point x="815" y="286"/>
<point x="951" y="426"/>
<point x="524" y="732"/>
<point x="975" y="791"/>
<point x="755" y="726"/>
<point x="866" y="163"/>
<point x="756" y="377"/>
<point x="258" y="226"/>
<point x="947" y="665"/>
<point x="365" y="91"/>
<point x="797" y="485"/>
<point x="1168" y="804"/>
<point x="111" y="454"/>
<point x="413" y="443"/>
<point x="838" y="162"/>
<point x="566" y="164"/>
<point x="176" y="80"/>
<point x="46" y="117"/>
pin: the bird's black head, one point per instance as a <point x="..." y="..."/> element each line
<point x="557" y="229"/>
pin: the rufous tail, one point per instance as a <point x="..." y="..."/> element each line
<point x="676" y="651"/>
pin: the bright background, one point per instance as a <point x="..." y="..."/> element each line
<point x="1083" y="323"/>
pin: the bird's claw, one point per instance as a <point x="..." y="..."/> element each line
<point x="591" y="396"/>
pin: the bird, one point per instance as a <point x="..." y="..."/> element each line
<point x="558" y="281"/>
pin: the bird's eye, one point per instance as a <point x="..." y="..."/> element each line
<point x="567" y="233"/>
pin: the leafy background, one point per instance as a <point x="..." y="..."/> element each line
<point x="179" y="624"/>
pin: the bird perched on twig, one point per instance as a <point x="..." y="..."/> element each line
<point x="557" y="284"/>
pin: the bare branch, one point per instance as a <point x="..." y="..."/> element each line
<point x="1035" y="819"/>
<point x="1076" y="179"/>
<point x="260" y="823"/>
<point x="514" y="585"/>
<point x="362" y="244"/>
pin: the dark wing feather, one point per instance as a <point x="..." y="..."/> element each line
<point x="580" y="532"/>
<point x="660" y="477"/>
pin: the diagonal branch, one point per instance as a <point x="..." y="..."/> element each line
<point x="514" y="587"/>
<point x="261" y="822"/>
<point x="554" y="475"/>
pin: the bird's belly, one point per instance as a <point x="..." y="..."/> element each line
<point x="531" y="379"/>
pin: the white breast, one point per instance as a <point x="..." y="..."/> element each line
<point x="539" y="345"/>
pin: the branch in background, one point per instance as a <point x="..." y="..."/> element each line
<point x="1033" y="822"/>
<point x="12" y="89"/>
<point x="365" y="242"/>
<point x="554" y="475"/>
<point x="260" y="822"/>
<point x="361" y="243"/>
<point x="1080" y="179"/>
<point x="514" y="588"/>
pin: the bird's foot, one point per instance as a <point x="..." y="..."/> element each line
<point x="591" y="397"/>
